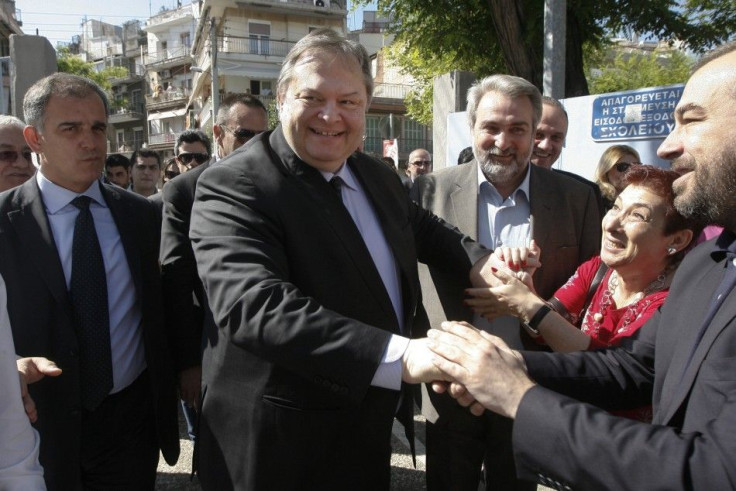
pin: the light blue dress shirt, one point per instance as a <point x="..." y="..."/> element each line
<point x="388" y="374"/>
<point x="126" y="339"/>
<point x="503" y="222"/>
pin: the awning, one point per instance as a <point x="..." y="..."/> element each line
<point x="174" y="113"/>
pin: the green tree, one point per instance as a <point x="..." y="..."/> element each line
<point x="491" y="36"/>
<point x="635" y="71"/>
<point x="69" y="63"/>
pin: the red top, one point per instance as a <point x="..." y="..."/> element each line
<point x="615" y="324"/>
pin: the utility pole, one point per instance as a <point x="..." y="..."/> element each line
<point x="213" y="70"/>
<point x="555" y="23"/>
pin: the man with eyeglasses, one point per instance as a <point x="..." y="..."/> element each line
<point x="420" y="163"/>
<point x="145" y="171"/>
<point x="239" y="118"/>
<point x="16" y="166"/>
<point x="193" y="148"/>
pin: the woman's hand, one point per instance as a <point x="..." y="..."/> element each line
<point x="517" y="259"/>
<point x="511" y="297"/>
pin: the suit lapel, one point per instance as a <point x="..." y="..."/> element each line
<point x="318" y="191"/>
<point x="677" y="384"/>
<point x="464" y="199"/>
<point x="129" y="235"/>
<point x="31" y="224"/>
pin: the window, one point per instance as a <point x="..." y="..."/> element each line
<point x="373" y="142"/>
<point x="138" y="137"/>
<point x="259" y="35"/>
<point x="186" y="39"/>
<point x="414" y="136"/>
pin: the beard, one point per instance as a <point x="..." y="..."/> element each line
<point x="498" y="173"/>
<point x="709" y="194"/>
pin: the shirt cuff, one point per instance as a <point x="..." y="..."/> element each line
<point x="388" y="373"/>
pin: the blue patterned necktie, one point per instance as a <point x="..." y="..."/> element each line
<point x="91" y="317"/>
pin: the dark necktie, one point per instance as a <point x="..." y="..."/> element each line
<point x="89" y="299"/>
<point x="336" y="183"/>
<point x="727" y="284"/>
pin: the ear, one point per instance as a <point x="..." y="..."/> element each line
<point x="217" y="132"/>
<point x="681" y="239"/>
<point x="33" y="138"/>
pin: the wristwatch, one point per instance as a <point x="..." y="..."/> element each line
<point x="533" y="324"/>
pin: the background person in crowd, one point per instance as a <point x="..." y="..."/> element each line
<point x="498" y="199"/>
<point x="145" y="171"/>
<point x="239" y="118"/>
<point x="419" y="163"/>
<point x="172" y="169"/>
<point x="80" y="261"/>
<point x="19" y="442"/>
<point x="307" y="251"/>
<point x="117" y="170"/>
<point x="192" y="148"/>
<point x="612" y="167"/>
<point x="16" y="158"/>
<point x="681" y="361"/>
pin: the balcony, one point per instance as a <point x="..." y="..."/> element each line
<point x="126" y="114"/>
<point x="252" y="46"/>
<point x="160" y="20"/>
<point x="167" y="58"/>
<point x="328" y="8"/>
<point x="391" y="91"/>
<point x="131" y="75"/>
<point x="162" y="141"/>
<point x="167" y="99"/>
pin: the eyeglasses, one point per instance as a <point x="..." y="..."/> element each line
<point x="186" y="158"/>
<point x="420" y="163"/>
<point x="170" y="174"/>
<point x="624" y="166"/>
<point x="242" y="135"/>
<point x="11" y="156"/>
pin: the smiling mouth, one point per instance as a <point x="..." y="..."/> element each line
<point x="326" y="133"/>
<point x="611" y="244"/>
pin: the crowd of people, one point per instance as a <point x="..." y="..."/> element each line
<point x="288" y="293"/>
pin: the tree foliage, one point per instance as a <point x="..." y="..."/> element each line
<point x="69" y="63"/>
<point x="634" y="71"/>
<point x="506" y="36"/>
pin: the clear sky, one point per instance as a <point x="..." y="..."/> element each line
<point x="59" y="20"/>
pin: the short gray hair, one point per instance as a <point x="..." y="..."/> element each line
<point x="7" y="120"/>
<point x="325" y="40"/>
<point x="508" y="85"/>
<point x="61" y="85"/>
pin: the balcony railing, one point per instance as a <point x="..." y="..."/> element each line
<point x="130" y="74"/>
<point x="169" y="15"/>
<point x="391" y="91"/>
<point x="129" y="112"/>
<point x="163" y="138"/>
<point x="167" y="98"/>
<point x="255" y="46"/>
<point x="163" y="56"/>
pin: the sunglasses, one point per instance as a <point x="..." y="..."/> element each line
<point x="624" y="166"/>
<point x="420" y="163"/>
<point x="10" y="156"/>
<point x="186" y="158"/>
<point x="242" y="135"/>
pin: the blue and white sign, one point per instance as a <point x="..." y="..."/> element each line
<point x="635" y="115"/>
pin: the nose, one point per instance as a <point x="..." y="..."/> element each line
<point x="502" y="141"/>
<point x="611" y="221"/>
<point x="329" y="112"/>
<point x="671" y="147"/>
<point x="543" y="144"/>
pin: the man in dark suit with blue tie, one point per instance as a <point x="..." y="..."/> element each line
<point x="683" y="361"/>
<point x="80" y="260"/>
<point x="308" y="254"/>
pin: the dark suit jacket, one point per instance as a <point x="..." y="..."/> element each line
<point x="303" y="319"/>
<point x="41" y="316"/>
<point x="184" y="299"/>
<point x="689" y="445"/>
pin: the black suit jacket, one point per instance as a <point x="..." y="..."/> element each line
<point x="184" y="299"/>
<point x="41" y="317"/>
<point x="691" y="442"/>
<point x="303" y="319"/>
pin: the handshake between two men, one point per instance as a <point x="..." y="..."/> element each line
<point x="473" y="366"/>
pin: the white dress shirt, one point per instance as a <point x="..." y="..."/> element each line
<point x="19" y="442"/>
<point x="126" y="340"/>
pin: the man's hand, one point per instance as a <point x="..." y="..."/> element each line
<point x="190" y="385"/>
<point x="417" y="365"/>
<point x="484" y="367"/>
<point x="32" y="370"/>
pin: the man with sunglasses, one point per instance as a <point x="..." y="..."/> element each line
<point x="16" y="166"/>
<point x="239" y="118"/>
<point x="145" y="171"/>
<point x="420" y="163"/>
<point x="193" y="148"/>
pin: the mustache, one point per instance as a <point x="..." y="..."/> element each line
<point x="498" y="152"/>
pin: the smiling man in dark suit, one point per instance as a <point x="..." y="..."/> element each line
<point x="308" y="255"/>
<point x="80" y="262"/>
<point x="682" y="361"/>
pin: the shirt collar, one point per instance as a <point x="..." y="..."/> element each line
<point x="56" y="197"/>
<point x="523" y="187"/>
<point x="344" y="173"/>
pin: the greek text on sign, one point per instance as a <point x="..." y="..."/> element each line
<point x="636" y="114"/>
